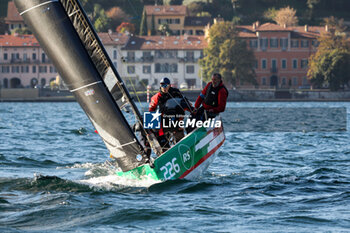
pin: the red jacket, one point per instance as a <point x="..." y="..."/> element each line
<point x="222" y="98"/>
<point x="154" y="102"/>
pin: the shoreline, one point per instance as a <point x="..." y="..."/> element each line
<point x="54" y="99"/>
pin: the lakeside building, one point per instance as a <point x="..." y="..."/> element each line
<point x="148" y="59"/>
<point x="13" y="19"/>
<point x="24" y="63"/>
<point x="177" y="18"/>
<point x="281" y="53"/>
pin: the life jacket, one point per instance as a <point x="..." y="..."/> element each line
<point x="212" y="95"/>
<point x="172" y="93"/>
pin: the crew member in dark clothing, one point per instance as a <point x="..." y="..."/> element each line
<point x="166" y="92"/>
<point x="212" y="98"/>
<point x="159" y="100"/>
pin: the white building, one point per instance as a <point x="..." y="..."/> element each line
<point x="147" y="59"/>
<point x="139" y="60"/>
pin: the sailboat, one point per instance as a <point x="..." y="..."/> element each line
<point x="68" y="38"/>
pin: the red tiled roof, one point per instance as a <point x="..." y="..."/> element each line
<point x="113" y="38"/>
<point x="166" y="10"/>
<point x="166" y="43"/>
<point x="18" y="41"/>
<point x="272" y="27"/>
<point x="247" y="31"/>
<point x="12" y="13"/>
<point x="247" y="35"/>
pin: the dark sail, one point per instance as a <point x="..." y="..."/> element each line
<point x="60" y="27"/>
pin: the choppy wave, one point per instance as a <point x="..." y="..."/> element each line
<point x="260" y="181"/>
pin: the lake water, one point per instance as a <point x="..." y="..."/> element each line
<point x="53" y="177"/>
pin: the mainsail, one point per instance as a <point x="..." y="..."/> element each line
<point x="66" y="35"/>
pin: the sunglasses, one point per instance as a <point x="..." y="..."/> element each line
<point x="164" y="85"/>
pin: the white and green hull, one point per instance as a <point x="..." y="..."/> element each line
<point x="188" y="159"/>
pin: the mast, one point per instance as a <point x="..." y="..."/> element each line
<point x="66" y="35"/>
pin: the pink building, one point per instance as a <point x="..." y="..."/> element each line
<point x="281" y="53"/>
<point x="23" y="63"/>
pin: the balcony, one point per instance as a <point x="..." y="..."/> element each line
<point x="147" y="59"/>
<point x="187" y="59"/>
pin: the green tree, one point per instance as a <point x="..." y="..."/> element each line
<point x="286" y="16"/>
<point x="311" y="5"/>
<point x="228" y="54"/>
<point x="164" y="29"/>
<point x="143" y="25"/>
<point x="270" y="14"/>
<point x="100" y="19"/>
<point x="330" y="65"/>
<point x="153" y="27"/>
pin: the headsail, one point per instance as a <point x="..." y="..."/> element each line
<point x="66" y="35"/>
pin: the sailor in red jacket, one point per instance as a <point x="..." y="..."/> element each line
<point x="213" y="97"/>
<point x="166" y="92"/>
<point x="160" y="99"/>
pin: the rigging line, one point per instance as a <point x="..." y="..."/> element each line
<point x="133" y="86"/>
<point x="33" y="7"/>
<point x="76" y="89"/>
<point x="184" y="98"/>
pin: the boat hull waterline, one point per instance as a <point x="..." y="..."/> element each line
<point x="188" y="159"/>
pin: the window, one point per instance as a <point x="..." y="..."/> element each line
<point x="43" y="57"/>
<point x="5" y="69"/>
<point x="284" y="43"/>
<point x="131" y="69"/>
<point x="263" y="81"/>
<point x="273" y="63"/>
<point x="131" y="56"/>
<point x="284" y="63"/>
<point x="166" y="68"/>
<point x="52" y="69"/>
<point x="146" y="69"/>
<point x="304" y="43"/>
<point x="5" y="56"/>
<point x="273" y="43"/>
<point x="295" y="64"/>
<point x="263" y="63"/>
<point x="294" y="43"/>
<point x="42" y="69"/>
<point x="253" y="43"/>
<point x="25" y="69"/>
<point x="147" y="56"/>
<point x="189" y="69"/>
<point x="34" y="69"/>
<point x="177" y="21"/>
<point x="190" y="56"/>
<point x="263" y="43"/>
<point x="34" y="56"/>
<point x="115" y="64"/>
<point x="256" y="66"/>
<point x="303" y="63"/>
<point x="15" y="69"/>
<point x="114" y="54"/>
<point x="43" y="82"/>
<point x="14" y="56"/>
